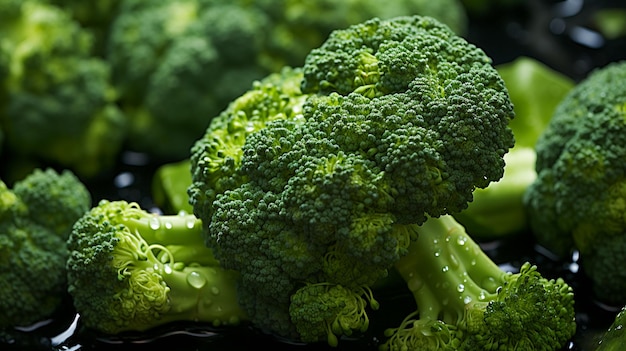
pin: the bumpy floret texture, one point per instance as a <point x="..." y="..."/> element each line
<point x="577" y="201"/>
<point x="36" y="217"/>
<point x="394" y="120"/>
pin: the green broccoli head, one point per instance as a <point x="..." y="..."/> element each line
<point x="130" y="270"/>
<point x="59" y="100"/>
<point x="392" y="121"/>
<point x="36" y="216"/>
<point x="577" y="201"/>
<point x="466" y="302"/>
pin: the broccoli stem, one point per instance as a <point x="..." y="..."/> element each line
<point x="447" y="271"/>
<point x="180" y="233"/>
<point x="180" y="229"/>
<point x="203" y="294"/>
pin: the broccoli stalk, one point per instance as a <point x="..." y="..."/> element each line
<point x="130" y="270"/>
<point x="467" y="302"/>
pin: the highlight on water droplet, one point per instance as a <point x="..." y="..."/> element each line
<point x="196" y="280"/>
<point x="191" y="222"/>
<point x="467" y="300"/>
<point x="482" y="296"/>
<point x="167" y="269"/>
<point x="154" y="223"/>
<point x="461" y="240"/>
<point x="460" y="288"/>
<point x="445" y="269"/>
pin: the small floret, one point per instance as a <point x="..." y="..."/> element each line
<point x="36" y="217"/>
<point x="309" y="185"/>
<point x="578" y="199"/>
<point x="466" y="302"/>
<point x="130" y="270"/>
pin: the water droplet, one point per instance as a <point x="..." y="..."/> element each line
<point x="196" y="280"/>
<point x="215" y="290"/>
<point x="467" y="300"/>
<point x="167" y="269"/>
<point x="168" y="225"/>
<point x="461" y="240"/>
<point x="473" y="262"/>
<point x="191" y="222"/>
<point x="437" y="253"/>
<point x="460" y="288"/>
<point x="415" y="284"/>
<point x="445" y="269"/>
<point x="482" y="296"/>
<point x="154" y="223"/>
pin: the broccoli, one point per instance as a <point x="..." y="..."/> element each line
<point x="497" y="211"/>
<point x="36" y="217"/>
<point x="131" y="270"/>
<point x="312" y="183"/>
<point x="176" y="64"/>
<point x="466" y="302"/>
<point x="614" y="337"/>
<point x="577" y="201"/>
<point x="57" y="104"/>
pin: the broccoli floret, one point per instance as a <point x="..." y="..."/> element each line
<point x="466" y="302"/>
<point x="577" y="200"/>
<point x="497" y="211"/>
<point x="36" y="217"/>
<point x="130" y="270"/>
<point x="613" y="338"/>
<point x="59" y="104"/>
<point x="394" y="120"/>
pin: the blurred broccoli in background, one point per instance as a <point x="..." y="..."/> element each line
<point x="94" y="15"/>
<point x="56" y="100"/>
<point x="36" y="217"/>
<point x="178" y="63"/>
<point x="298" y="26"/>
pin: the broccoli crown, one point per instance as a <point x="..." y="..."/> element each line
<point x="36" y="217"/>
<point x="466" y="302"/>
<point x="577" y="200"/>
<point x="59" y="103"/>
<point x="395" y="120"/>
<point x="132" y="270"/>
